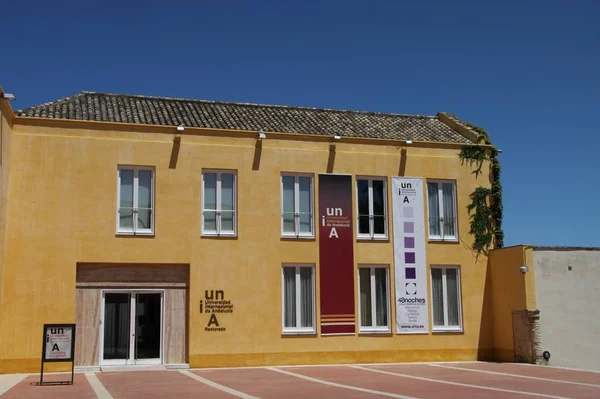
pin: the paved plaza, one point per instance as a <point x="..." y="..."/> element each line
<point x="422" y="380"/>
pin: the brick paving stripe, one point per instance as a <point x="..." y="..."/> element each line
<point x="588" y="377"/>
<point x="344" y="386"/>
<point x="220" y="387"/>
<point x="269" y="384"/>
<point x="97" y="386"/>
<point x="7" y="381"/>
<point x="80" y="389"/>
<point x="395" y="384"/>
<point x="459" y="375"/>
<point x="467" y="381"/>
<point x="518" y="376"/>
<point x="156" y="384"/>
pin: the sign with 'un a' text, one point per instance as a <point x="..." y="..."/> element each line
<point x="59" y="342"/>
<point x="412" y="315"/>
<point x="214" y="302"/>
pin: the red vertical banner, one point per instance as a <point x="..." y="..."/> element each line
<point x="336" y="255"/>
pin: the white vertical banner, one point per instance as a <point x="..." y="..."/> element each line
<point x="412" y="310"/>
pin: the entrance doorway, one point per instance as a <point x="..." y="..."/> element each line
<point x="132" y="327"/>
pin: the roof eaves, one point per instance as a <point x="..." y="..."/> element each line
<point x="125" y="126"/>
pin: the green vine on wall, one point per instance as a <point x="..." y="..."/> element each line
<point x="485" y="209"/>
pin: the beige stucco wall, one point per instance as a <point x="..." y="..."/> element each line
<point x="568" y="301"/>
<point x="62" y="211"/>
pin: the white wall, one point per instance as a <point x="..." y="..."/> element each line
<point x="569" y="304"/>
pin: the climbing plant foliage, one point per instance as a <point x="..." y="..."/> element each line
<point x="485" y="209"/>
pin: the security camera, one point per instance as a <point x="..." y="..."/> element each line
<point x="524" y="269"/>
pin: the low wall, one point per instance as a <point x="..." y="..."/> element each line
<point x="568" y="295"/>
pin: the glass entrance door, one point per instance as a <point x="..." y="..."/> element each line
<point x="147" y="327"/>
<point x="117" y="310"/>
<point x="132" y="327"/>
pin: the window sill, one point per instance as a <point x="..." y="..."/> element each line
<point x="448" y="240"/>
<point x="210" y="235"/>
<point x="132" y="234"/>
<point x="368" y="238"/>
<point x="448" y="330"/>
<point x="299" y="332"/>
<point x="295" y="237"/>
<point x="375" y="333"/>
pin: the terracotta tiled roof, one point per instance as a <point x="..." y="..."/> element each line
<point x="104" y="107"/>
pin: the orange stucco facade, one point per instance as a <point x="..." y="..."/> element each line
<point x="58" y="203"/>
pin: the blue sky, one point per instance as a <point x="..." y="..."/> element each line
<point x="528" y="71"/>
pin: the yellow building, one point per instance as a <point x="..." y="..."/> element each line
<point x="184" y="232"/>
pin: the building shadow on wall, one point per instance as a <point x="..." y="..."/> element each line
<point x="257" y="154"/>
<point x="485" y="347"/>
<point x="331" y="158"/>
<point x="175" y="152"/>
<point x="402" y="167"/>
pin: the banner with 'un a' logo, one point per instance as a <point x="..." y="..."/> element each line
<point x="336" y="255"/>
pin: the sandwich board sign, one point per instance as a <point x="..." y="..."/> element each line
<point x="58" y="345"/>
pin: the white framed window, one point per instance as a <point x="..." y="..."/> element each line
<point x="218" y="203"/>
<point x="371" y="199"/>
<point x="297" y="205"/>
<point x="446" y="298"/>
<point x="441" y="200"/>
<point x="298" y="299"/>
<point x="135" y="200"/>
<point x="374" y="306"/>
